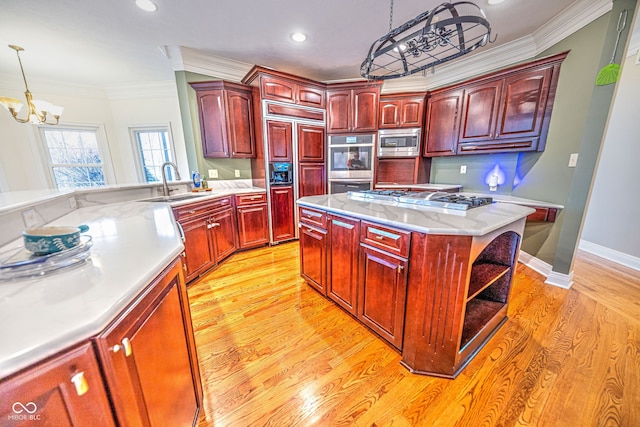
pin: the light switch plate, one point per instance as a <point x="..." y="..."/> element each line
<point x="573" y="160"/>
<point x="463" y="169"/>
<point x="30" y="218"/>
<point x="237" y="173"/>
<point x="72" y="203"/>
<point x="213" y="173"/>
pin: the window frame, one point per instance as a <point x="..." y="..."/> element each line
<point x="135" y="146"/>
<point x="103" y="149"/>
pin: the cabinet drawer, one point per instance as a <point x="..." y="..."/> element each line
<point x="313" y="217"/>
<point x="250" y="199"/>
<point x="201" y="208"/>
<point x="388" y="239"/>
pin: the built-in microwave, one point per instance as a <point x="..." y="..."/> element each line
<point x="399" y="142"/>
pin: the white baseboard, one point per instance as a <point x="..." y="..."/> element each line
<point x="610" y="254"/>
<point x="560" y="280"/>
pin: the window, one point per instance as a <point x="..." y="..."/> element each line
<point x="154" y="147"/>
<point x="74" y="156"/>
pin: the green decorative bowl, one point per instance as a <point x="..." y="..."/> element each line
<point x="48" y="240"/>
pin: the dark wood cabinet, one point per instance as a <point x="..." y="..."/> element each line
<point x="282" y="214"/>
<point x="66" y="390"/>
<point x="284" y="87"/>
<point x="148" y="358"/>
<point x="210" y="234"/>
<point x="226" y="119"/>
<point x="342" y="261"/>
<point x="253" y="222"/>
<point x="280" y="140"/>
<point x="382" y="293"/>
<point x="410" y="170"/>
<point x="442" y="123"/>
<point x="352" y="107"/>
<point x="313" y="248"/>
<point x="223" y="233"/>
<point x="401" y="111"/>
<point x="505" y="111"/>
<point x="312" y="179"/>
<point x="311" y="143"/>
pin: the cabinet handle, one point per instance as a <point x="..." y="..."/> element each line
<point x="215" y="224"/>
<point x="181" y="230"/>
<point x="400" y="268"/>
<point x="192" y="211"/>
<point x="80" y="383"/>
<point x="126" y="347"/>
<point x="379" y="237"/>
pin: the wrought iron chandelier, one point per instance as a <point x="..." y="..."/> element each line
<point x="38" y="111"/>
<point x="449" y="31"/>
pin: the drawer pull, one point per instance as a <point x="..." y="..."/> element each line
<point x="192" y="211"/>
<point x="380" y="234"/>
<point x="379" y="237"/>
<point x="80" y="383"/>
<point x="126" y="347"/>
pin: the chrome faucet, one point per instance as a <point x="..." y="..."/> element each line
<point x="165" y="186"/>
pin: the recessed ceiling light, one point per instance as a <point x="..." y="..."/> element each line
<point x="298" y="37"/>
<point x="494" y="1"/>
<point x="147" y="5"/>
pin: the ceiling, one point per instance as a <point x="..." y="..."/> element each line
<point x="113" y="43"/>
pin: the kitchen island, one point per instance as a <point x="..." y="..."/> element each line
<point x="433" y="282"/>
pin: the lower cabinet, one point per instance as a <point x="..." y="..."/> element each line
<point x="141" y="370"/>
<point x="342" y="261"/>
<point x="66" y="390"/>
<point x="313" y="257"/>
<point x="198" y="250"/>
<point x="253" y="220"/>
<point x="382" y="292"/>
<point x="223" y="233"/>
<point x="282" y="217"/>
<point x="148" y="361"/>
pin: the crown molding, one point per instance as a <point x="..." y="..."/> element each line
<point x="187" y="59"/>
<point x="574" y="17"/>
<point x="158" y="89"/>
<point x="570" y="20"/>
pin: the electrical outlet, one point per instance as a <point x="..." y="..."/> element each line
<point x="72" y="203"/>
<point x="237" y="173"/>
<point x="30" y="218"/>
<point x="213" y="173"/>
<point x="463" y="169"/>
<point x="573" y="160"/>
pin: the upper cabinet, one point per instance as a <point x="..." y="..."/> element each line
<point x="226" y="119"/>
<point x="352" y="107"/>
<point x="401" y="111"/>
<point x="504" y="111"/>
<point x="283" y="87"/>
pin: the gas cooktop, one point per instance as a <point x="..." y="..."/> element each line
<point x="435" y="199"/>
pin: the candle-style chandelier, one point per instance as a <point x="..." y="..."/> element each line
<point x="38" y="111"/>
<point x="431" y="38"/>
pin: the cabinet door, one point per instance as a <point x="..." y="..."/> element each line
<point x="310" y="143"/>
<point x="223" y="233"/>
<point x="396" y="171"/>
<point x="311" y="179"/>
<point x="253" y="225"/>
<point x="282" y="216"/>
<point x="524" y="100"/>
<point x="198" y="247"/>
<point x="382" y="293"/>
<point x="310" y="96"/>
<point x="442" y="124"/>
<point x="389" y="114"/>
<point x="240" y="121"/>
<point x="412" y="113"/>
<point x="365" y="110"/>
<point x="342" y="261"/>
<point x="146" y="359"/>
<point x="213" y="124"/>
<point x="480" y="112"/>
<point x="338" y="111"/>
<point x="313" y="257"/>
<point x="280" y="139"/>
<point x="277" y="89"/>
<point x="64" y="391"/>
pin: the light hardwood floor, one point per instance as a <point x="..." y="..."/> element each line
<point x="274" y="352"/>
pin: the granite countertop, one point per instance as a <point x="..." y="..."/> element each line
<point x="474" y="222"/>
<point x="132" y="244"/>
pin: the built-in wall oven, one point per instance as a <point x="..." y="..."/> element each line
<point x="350" y="162"/>
<point x="399" y="142"/>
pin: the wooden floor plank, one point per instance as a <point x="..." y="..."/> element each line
<point x="274" y="352"/>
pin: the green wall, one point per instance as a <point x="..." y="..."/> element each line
<point x="191" y="126"/>
<point x="577" y="126"/>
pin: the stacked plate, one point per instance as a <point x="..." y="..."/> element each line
<point x="17" y="262"/>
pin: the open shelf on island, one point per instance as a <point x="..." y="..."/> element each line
<point x="484" y="275"/>
<point x="478" y="314"/>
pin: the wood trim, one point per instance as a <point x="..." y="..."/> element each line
<point x="292" y="111"/>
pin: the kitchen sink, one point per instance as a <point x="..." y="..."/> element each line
<point x="177" y="197"/>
